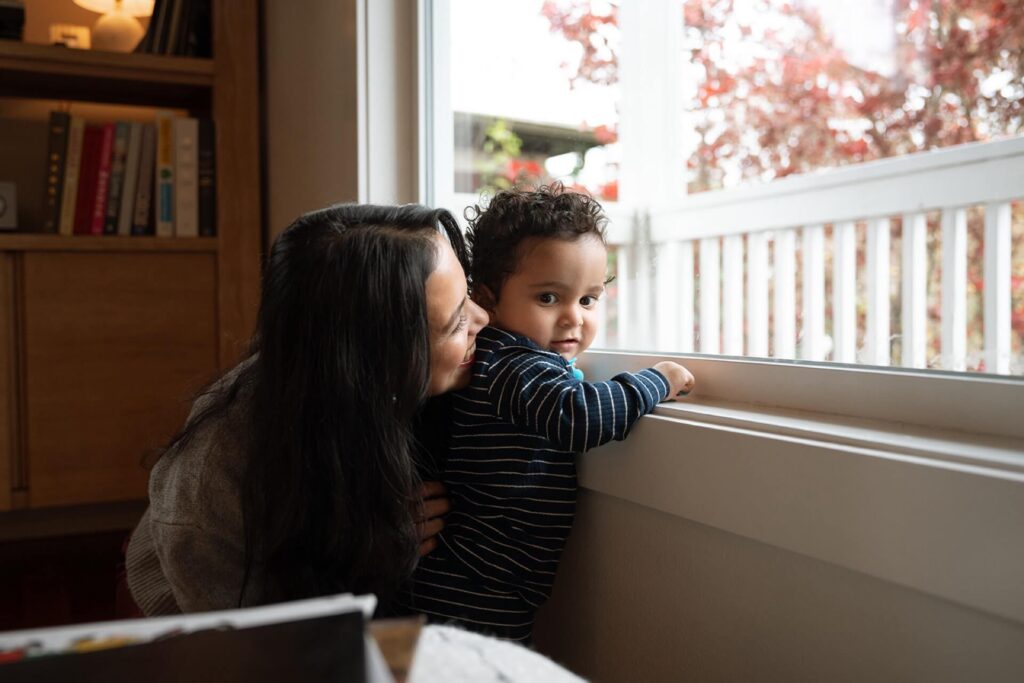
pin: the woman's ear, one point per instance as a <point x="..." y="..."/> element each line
<point x="484" y="298"/>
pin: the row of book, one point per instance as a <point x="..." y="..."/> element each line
<point x="131" y="178"/>
<point x="179" y="27"/>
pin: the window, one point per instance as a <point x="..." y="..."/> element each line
<point x="778" y="225"/>
<point x="816" y="180"/>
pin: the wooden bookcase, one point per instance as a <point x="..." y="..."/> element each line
<point x="103" y="340"/>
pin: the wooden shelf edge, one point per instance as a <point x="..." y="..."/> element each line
<point x="55" y="60"/>
<point x="35" y="242"/>
<point x="17" y="525"/>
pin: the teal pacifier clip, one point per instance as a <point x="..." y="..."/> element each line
<point x="575" y="371"/>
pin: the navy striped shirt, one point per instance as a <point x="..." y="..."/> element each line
<point x="511" y="476"/>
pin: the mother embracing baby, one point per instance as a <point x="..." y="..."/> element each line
<point x="298" y="473"/>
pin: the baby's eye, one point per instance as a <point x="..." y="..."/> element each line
<point x="547" y="298"/>
<point x="588" y="301"/>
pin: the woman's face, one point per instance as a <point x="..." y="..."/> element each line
<point x="454" y="321"/>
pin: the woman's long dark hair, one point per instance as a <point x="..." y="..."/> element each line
<point x="339" y="369"/>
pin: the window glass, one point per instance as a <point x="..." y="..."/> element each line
<point x="781" y="191"/>
<point x="529" y="104"/>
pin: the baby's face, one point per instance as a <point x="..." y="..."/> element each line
<point x="552" y="296"/>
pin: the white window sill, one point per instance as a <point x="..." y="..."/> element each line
<point x="938" y="510"/>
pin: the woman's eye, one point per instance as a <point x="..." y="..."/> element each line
<point x="546" y="298"/>
<point x="588" y="301"/>
<point x="461" y="325"/>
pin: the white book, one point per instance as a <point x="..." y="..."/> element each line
<point x="131" y="179"/>
<point x="72" y="164"/>
<point x="186" y="177"/>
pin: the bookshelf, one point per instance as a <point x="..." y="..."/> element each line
<point x="103" y="339"/>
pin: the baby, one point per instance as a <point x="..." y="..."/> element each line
<point x="539" y="268"/>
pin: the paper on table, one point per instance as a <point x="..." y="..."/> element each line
<point x="65" y="638"/>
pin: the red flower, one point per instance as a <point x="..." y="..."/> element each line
<point x="605" y="134"/>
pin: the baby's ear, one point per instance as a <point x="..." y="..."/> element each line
<point x="484" y="298"/>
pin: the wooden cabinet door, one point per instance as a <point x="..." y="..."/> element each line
<point x="8" y="396"/>
<point x="115" y="345"/>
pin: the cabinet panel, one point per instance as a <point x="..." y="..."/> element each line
<point x="8" y="396"/>
<point x="114" y="346"/>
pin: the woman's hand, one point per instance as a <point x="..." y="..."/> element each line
<point x="434" y="504"/>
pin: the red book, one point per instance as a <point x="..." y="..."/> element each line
<point x="92" y="139"/>
<point x="106" y="151"/>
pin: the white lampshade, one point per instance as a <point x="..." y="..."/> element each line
<point x="134" y="8"/>
<point x="117" y="30"/>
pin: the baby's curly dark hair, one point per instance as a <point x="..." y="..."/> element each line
<point x="512" y="216"/>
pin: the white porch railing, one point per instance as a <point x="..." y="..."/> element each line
<point x="750" y="235"/>
<point x="719" y="272"/>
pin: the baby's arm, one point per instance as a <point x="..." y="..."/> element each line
<point x="535" y="393"/>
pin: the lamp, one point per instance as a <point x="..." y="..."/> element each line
<point x="117" y="30"/>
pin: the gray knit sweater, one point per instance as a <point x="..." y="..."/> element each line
<point x="187" y="553"/>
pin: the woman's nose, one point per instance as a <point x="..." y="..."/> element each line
<point x="478" y="317"/>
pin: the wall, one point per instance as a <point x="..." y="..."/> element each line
<point x="644" y="595"/>
<point x="311" y="107"/>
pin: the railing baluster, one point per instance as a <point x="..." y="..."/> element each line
<point x="813" y="346"/>
<point x="878" y="313"/>
<point x="643" y="300"/>
<point x="915" y="284"/>
<point x="668" y="303"/>
<point x="603" y="309"/>
<point x="732" y="295"/>
<point x="686" y="297"/>
<point x="624" y="303"/>
<point x="784" y="268"/>
<point x="954" y="289"/>
<point x="997" y="287"/>
<point x="844" y="293"/>
<point x="710" y="336"/>
<point x="757" y="294"/>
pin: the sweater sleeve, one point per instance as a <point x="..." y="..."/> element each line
<point x="188" y="552"/>
<point x="535" y="393"/>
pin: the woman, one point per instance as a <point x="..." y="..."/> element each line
<point x="297" y="474"/>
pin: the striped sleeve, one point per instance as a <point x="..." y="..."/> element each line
<point x="536" y="394"/>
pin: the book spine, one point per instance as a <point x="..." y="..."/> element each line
<point x="198" y="41"/>
<point x="144" y="192"/>
<point x="72" y="166"/>
<point x="126" y="212"/>
<point x="186" y="174"/>
<point x="99" y="208"/>
<point x="55" y="161"/>
<point x="118" y="160"/>
<point x="170" y="20"/>
<point x="181" y="39"/>
<point x="207" y="179"/>
<point x="164" y="176"/>
<point x="146" y="44"/>
<point x="87" y="179"/>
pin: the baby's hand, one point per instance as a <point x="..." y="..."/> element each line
<point x="680" y="380"/>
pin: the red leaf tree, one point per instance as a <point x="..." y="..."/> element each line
<point x="776" y="96"/>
